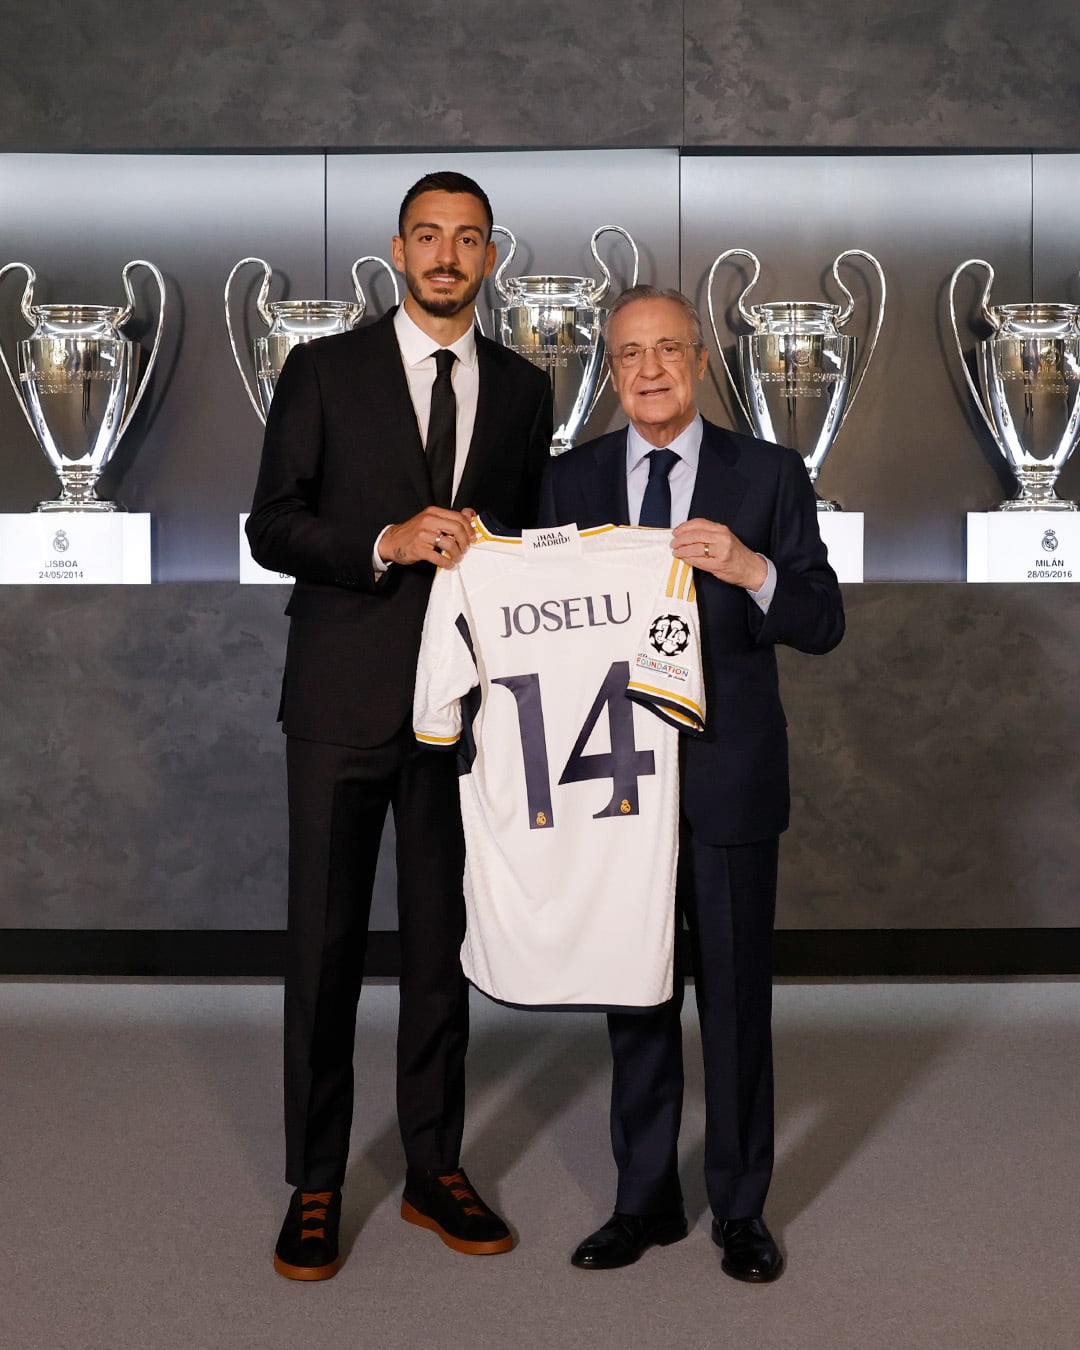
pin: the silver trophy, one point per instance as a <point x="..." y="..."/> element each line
<point x="796" y="368"/>
<point x="290" y="322"/>
<point x="79" y="385"/>
<point x="1029" y="378"/>
<point x="555" y="322"/>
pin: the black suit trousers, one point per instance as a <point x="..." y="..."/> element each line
<point x="729" y="900"/>
<point x="338" y="800"/>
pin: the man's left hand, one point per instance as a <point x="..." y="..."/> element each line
<point x="711" y="547"/>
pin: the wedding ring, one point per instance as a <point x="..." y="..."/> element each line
<point x="437" y="538"/>
<point x="706" y="550"/>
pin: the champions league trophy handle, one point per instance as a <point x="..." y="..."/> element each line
<point x="25" y="305"/>
<point x="992" y="320"/>
<point x="264" y="313"/>
<point x="373" y="258"/>
<point x="749" y="316"/>
<point x="501" y="290"/>
<point x="600" y="291"/>
<point x="126" y="314"/>
<point x="847" y="313"/>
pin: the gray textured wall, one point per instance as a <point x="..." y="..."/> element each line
<point x="277" y="74"/>
<point x="935" y="783"/>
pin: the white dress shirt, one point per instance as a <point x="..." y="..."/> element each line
<point x="687" y="445"/>
<point x="418" y="358"/>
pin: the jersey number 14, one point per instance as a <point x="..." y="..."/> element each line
<point x="623" y="764"/>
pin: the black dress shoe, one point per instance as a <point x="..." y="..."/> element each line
<point x="625" y="1237"/>
<point x="749" y="1250"/>
<point x="307" y="1248"/>
<point x="449" y="1206"/>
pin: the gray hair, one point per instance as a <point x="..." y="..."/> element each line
<point x="645" y="292"/>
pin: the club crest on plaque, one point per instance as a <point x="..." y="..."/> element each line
<point x="1028" y="390"/>
<point x="799" y="374"/>
<point x="556" y="323"/>
<point x="290" y="322"/>
<point x="78" y="384"/>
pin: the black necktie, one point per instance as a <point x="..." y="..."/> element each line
<point x="442" y="429"/>
<point x="656" y="503"/>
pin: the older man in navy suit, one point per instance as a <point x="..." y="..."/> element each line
<point x="745" y="517"/>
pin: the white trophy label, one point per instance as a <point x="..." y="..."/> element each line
<point x="1029" y="546"/>
<point x="75" y="549"/>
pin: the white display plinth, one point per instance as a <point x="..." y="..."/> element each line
<point x="842" y="532"/>
<point x="75" y="548"/>
<point x="1034" y="546"/>
<point x="251" y="574"/>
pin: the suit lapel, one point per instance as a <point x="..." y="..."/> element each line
<point x="388" y="378"/>
<point x="483" y="443"/>
<point x="604" y="482"/>
<point x="719" y="487"/>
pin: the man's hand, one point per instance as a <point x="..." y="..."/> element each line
<point x="713" y="548"/>
<point x="432" y="535"/>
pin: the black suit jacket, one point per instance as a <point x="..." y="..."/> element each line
<point x="734" y="778"/>
<point x="342" y="458"/>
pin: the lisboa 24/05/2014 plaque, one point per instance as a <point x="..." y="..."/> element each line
<point x="78" y="387"/>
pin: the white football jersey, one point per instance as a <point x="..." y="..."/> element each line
<point x="566" y="663"/>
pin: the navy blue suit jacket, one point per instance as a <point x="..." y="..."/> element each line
<point x="734" y="778"/>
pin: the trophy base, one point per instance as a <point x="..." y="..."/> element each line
<point x="1037" y="504"/>
<point x="823" y="504"/>
<point x="91" y="504"/>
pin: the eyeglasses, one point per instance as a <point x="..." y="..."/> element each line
<point x="670" y="352"/>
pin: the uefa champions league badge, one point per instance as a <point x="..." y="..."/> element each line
<point x="669" y="636"/>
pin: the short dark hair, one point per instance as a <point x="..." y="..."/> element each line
<point x="445" y="181"/>
<point x="646" y="292"/>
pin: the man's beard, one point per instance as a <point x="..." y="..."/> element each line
<point x="442" y="306"/>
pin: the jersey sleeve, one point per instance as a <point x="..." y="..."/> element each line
<point x="446" y="668"/>
<point x="665" y="675"/>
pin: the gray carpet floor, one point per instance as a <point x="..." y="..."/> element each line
<point x="927" y="1188"/>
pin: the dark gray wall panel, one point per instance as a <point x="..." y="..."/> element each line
<point x="977" y="74"/>
<point x="934" y="772"/>
<point x="1055" y="204"/>
<point x="143" y="771"/>
<point x="191" y="453"/>
<point x="932" y="766"/>
<point x="275" y="74"/>
<point x="551" y="201"/>
<point x="912" y="455"/>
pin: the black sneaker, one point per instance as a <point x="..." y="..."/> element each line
<point x="307" y="1248"/>
<point x="448" y="1205"/>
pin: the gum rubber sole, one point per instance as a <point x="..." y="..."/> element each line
<point x="412" y="1215"/>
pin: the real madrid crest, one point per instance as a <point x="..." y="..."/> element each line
<point x="60" y="542"/>
<point x="1049" y="542"/>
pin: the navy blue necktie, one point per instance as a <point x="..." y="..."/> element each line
<point x="656" y="503"/>
<point x="442" y="429"/>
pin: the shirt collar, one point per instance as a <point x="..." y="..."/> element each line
<point x="417" y="347"/>
<point x="687" y="445"/>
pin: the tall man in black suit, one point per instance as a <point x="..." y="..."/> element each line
<point x="746" y="520"/>
<point x="379" y="444"/>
